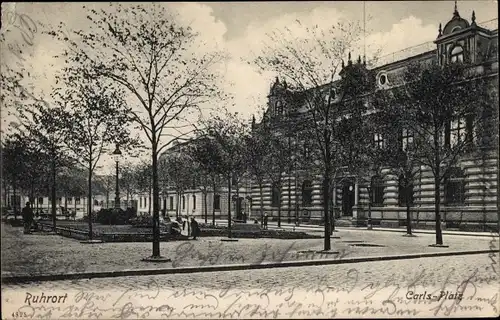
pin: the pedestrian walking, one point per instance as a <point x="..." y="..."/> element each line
<point x="266" y="217"/>
<point x="27" y="218"/>
<point x="195" y="228"/>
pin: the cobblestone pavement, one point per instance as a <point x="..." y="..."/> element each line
<point x="465" y="286"/>
<point x="53" y="254"/>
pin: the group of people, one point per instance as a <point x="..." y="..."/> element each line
<point x="190" y="226"/>
<point x="265" y="219"/>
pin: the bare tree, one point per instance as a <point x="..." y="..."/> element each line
<point x="440" y="106"/>
<point x="94" y="117"/>
<point x="146" y="51"/>
<point x="228" y="131"/>
<point x="310" y="64"/>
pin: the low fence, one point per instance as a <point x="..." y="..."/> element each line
<point x="67" y="232"/>
<point x="107" y="236"/>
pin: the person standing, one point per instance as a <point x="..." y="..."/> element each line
<point x="266" y="217"/>
<point x="27" y="218"/>
<point x="195" y="228"/>
<point x="185" y="226"/>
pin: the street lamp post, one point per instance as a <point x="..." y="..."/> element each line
<point x="116" y="156"/>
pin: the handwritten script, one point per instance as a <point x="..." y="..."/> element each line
<point x="351" y="296"/>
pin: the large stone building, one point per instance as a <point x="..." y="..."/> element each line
<point x="469" y="195"/>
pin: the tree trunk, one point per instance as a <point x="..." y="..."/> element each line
<point x="229" y="206"/>
<point x="156" y="195"/>
<point x="205" y="205"/>
<point x="437" y="191"/>
<point x="261" y="191"/>
<point x="66" y="204"/>
<point x="279" y="206"/>
<point x="408" y="213"/>
<point x="213" y="202"/>
<point x="32" y="195"/>
<point x="333" y="206"/>
<point x="370" y="196"/>
<point x="107" y="198"/>
<point x="326" y="203"/>
<point x="289" y="197"/>
<point x="53" y="194"/>
<point x="89" y="201"/>
<point x="437" y="200"/>
<point x="149" y="198"/>
<point x="15" y="200"/>
<point x="238" y="203"/>
<point x="177" y="205"/>
<point x="6" y="193"/>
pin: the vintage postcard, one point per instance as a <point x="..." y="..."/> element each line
<point x="249" y="160"/>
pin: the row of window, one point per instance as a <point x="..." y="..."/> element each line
<point x="307" y="189"/>
<point x="454" y="188"/>
<point x="455" y="132"/>
<point x="59" y="200"/>
<point x="142" y="202"/>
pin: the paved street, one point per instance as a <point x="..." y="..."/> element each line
<point x="376" y="289"/>
<point x="52" y="254"/>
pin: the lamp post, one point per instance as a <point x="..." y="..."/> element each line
<point x="116" y="156"/>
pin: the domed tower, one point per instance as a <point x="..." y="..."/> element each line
<point x="459" y="40"/>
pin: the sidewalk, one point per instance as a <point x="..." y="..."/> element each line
<point x="308" y="227"/>
<point x="41" y="254"/>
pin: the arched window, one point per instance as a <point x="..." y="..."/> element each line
<point x="406" y="138"/>
<point x="275" y="196"/>
<point x="405" y="191"/>
<point x="454" y="187"/>
<point x="183" y="202"/>
<point x="378" y="140"/>
<point x="216" y="201"/>
<point x="278" y="108"/>
<point x="377" y="188"/>
<point x="457" y="54"/>
<point x="307" y="193"/>
<point x="194" y="202"/>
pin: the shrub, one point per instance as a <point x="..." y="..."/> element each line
<point x="86" y="218"/>
<point x="142" y="221"/>
<point x="210" y="231"/>
<point x="114" y="216"/>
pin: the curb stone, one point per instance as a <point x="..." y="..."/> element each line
<point x="230" y="267"/>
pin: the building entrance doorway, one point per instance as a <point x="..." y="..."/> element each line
<point x="347" y="198"/>
<point x="239" y="209"/>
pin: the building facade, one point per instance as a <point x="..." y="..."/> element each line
<point x="469" y="196"/>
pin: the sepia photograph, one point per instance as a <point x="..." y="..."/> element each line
<point x="249" y="160"/>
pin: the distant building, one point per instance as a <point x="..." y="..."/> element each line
<point x="191" y="199"/>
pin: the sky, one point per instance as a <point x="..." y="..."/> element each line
<point x="241" y="27"/>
